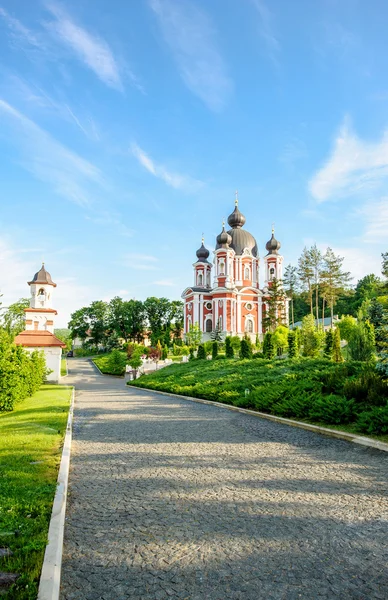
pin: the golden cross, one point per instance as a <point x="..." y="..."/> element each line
<point x="236" y="198"/>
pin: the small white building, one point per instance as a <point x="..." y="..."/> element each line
<point x="39" y="331"/>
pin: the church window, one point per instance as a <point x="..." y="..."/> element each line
<point x="222" y="267"/>
<point x="200" y="279"/>
<point x="41" y="292"/>
<point x="208" y="279"/>
<point x="272" y="272"/>
<point x="249" y="326"/>
<point x="247" y="273"/>
<point x="208" y="305"/>
<point x="209" y="325"/>
<point x="249" y="306"/>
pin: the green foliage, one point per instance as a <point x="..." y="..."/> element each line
<point x="164" y="352"/>
<point x="13" y="319"/>
<point x="329" y="340"/>
<point x="332" y="409"/>
<point x="208" y="347"/>
<point x="229" y="353"/>
<point x="201" y="354"/>
<point x="311" y="337"/>
<point x="216" y="334"/>
<point x="194" y="335"/>
<point x="245" y="349"/>
<point x="346" y="325"/>
<point x="235" y="342"/>
<point x="337" y="353"/>
<point x="292" y="345"/>
<point x="374" y="422"/>
<point x="21" y="372"/>
<point x="280" y="339"/>
<point x="112" y="363"/>
<point x="367" y="389"/>
<point x="361" y="344"/>
<point x="269" y="349"/>
<point x="191" y="353"/>
<point x="214" y="350"/>
<point x="275" y="302"/>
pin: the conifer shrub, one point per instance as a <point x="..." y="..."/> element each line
<point x="292" y="345"/>
<point x="116" y="363"/>
<point x="269" y="349"/>
<point x="374" y="422"/>
<point x="229" y="352"/>
<point x="328" y="350"/>
<point x="245" y="349"/>
<point x="361" y="344"/>
<point x="164" y="352"/>
<point x="214" y="349"/>
<point x="191" y="353"/>
<point x="337" y="352"/>
<point x="201" y="354"/>
<point x="333" y="409"/>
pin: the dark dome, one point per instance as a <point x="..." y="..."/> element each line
<point x="236" y="219"/>
<point x="242" y="239"/>
<point x="223" y="239"/>
<point x="42" y="276"/>
<point x="202" y="253"/>
<point x="273" y="245"/>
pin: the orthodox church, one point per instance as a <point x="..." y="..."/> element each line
<point x="226" y="294"/>
<point x="39" y="322"/>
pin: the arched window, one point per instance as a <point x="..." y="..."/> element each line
<point x="249" y="326"/>
<point x="247" y="273"/>
<point x="41" y="292"/>
<point x="222" y="267"/>
<point x="200" y="279"/>
<point x="208" y="279"/>
<point x="271" y="273"/>
<point x="209" y="326"/>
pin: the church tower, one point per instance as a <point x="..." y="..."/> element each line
<point x="273" y="261"/>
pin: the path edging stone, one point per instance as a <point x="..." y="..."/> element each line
<point x="342" y="435"/>
<point x="50" y="579"/>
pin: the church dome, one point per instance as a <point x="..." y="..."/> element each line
<point x="242" y="239"/>
<point x="202" y="253"/>
<point x="42" y="276"/>
<point x="223" y="239"/>
<point x="273" y="245"/>
<point x="236" y="219"/>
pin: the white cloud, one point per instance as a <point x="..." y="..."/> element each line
<point x="359" y="262"/>
<point x="190" y="35"/>
<point x="375" y="217"/>
<point x="266" y="30"/>
<point x="354" y="167"/>
<point x="91" y="50"/>
<point x="20" y="34"/>
<point x="69" y="174"/>
<point x="175" y="180"/>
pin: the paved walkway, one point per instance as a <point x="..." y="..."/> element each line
<point x="173" y="499"/>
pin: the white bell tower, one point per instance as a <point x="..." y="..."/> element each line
<point x="273" y="261"/>
<point x="40" y="315"/>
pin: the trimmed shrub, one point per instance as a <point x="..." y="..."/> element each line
<point x="229" y="352"/>
<point x="245" y="349"/>
<point x="328" y="351"/>
<point x="337" y="353"/>
<point x="292" y="345"/>
<point x="333" y="409"/>
<point x="269" y="349"/>
<point x="116" y="363"/>
<point x="191" y="353"/>
<point x="214" y="349"/>
<point x="201" y="354"/>
<point x="374" y="422"/>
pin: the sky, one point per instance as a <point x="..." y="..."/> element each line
<point x="126" y="127"/>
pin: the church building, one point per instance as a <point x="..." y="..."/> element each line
<point x="39" y="320"/>
<point x="226" y="294"/>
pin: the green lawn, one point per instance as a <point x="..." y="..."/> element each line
<point x="63" y="367"/>
<point x="31" y="438"/>
<point x="350" y="395"/>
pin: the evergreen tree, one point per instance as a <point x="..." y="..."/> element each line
<point x="329" y="341"/>
<point x="311" y="340"/>
<point x="275" y="302"/>
<point x="216" y="334"/>
<point x="361" y="345"/>
<point x="269" y="349"/>
<point x="337" y="354"/>
<point x="334" y="279"/>
<point x="292" y="346"/>
<point x="316" y="265"/>
<point x="201" y="354"/>
<point x="245" y="349"/>
<point x="214" y="350"/>
<point x="229" y="353"/>
<point x="191" y="353"/>
<point x="290" y="280"/>
<point x="306" y="275"/>
<point x="164" y="352"/>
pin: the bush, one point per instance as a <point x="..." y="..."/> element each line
<point x="245" y="349"/>
<point x="201" y="354"/>
<point x="258" y="355"/>
<point x="214" y="349"/>
<point x="208" y="347"/>
<point x="116" y="362"/>
<point x="292" y="345"/>
<point x="368" y="389"/>
<point x="269" y="349"/>
<point x="374" y="422"/>
<point x="361" y="344"/>
<point x="328" y="351"/>
<point x="229" y="353"/>
<point x="333" y="409"/>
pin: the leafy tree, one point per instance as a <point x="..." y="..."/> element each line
<point x="201" y="354"/>
<point x="315" y="256"/>
<point x="361" y="344"/>
<point x="346" y="326"/>
<point x="292" y="346"/>
<point x="157" y="311"/>
<point x="164" y="352"/>
<point x="334" y="279"/>
<point x="14" y="316"/>
<point x="245" y="349"/>
<point x="116" y="362"/>
<point x="280" y="339"/>
<point x="306" y="275"/>
<point x="229" y="353"/>
<point x="275" y="300"/>
<point x="135" y="361"/>
<point x="329" y="340"/>
<point x="126" y="318"/>
<point x="269" y="349"/>
<point x="97" y="314"/>
<point x="384" y="267"/>
<point x="194" y="335"/>
<point x="64" y="335"/>
<point x="214" y="349"/>
<point x="79" y="324"/>
<point x="290" y="280"/>
<point x="311" y="339"/>
<point x="235" y="342"/>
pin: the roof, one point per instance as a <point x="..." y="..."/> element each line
<point x="38" y="339"/>
<point x="326" y="322"/>
<point x="41" y="310"/>
<point x="42" y="276"/>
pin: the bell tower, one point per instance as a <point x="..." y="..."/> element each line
<point x="273" y="261"/>
<point x="202" y="268"/>
<point x="40" y="314"/>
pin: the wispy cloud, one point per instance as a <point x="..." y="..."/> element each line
<point x="48" y="160"/>
<point x="20" y="34"/>
<point x="92" y="50"/>
<point x="266" y="30"/>
<point x="191" y="38"/>
<point x="354" y="167"/>
<point x="375" y="217"/>
<point x="175" y="180"/>
<point x="293" y="151"/>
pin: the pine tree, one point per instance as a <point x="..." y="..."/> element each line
<point x="316" y="265"/>
<point x="216" y="334"/>
<point x="269" y="349"/>
<point x="229" y="353"/>
<point x="329" y="340"/>
<point x="334" y="279"/>
<point x="306" y="274"/>
<point x="191" y="353"/>
<point x="214" y="350"/>
<point x="275" y="302"/>
<point x="292" y="346"/>
<point x="201" y="354"/>
<point x="311" y="340"/>
<point x="337" y="354"/>
<point x="290" y="280"/>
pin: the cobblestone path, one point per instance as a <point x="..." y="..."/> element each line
<point x="173" y="499"/>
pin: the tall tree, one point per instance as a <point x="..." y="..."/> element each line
<point x="158" y="314"/>
<point x="306" y="275"/>
<point x="384" y="267"/>
<point x="98" y="321"/>
<point x="315" y="256"/>
<point x="275" y="300"/>
<point x="79" y="324"/>
<point x="290" y="281"/>
<point x="334" y="279"/>
<point x="14" y="316"/>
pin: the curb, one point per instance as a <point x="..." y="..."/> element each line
<point x="334" y="433"/>
<point x="50" y="578"/>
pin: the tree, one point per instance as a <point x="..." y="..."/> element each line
<point x="315" y="256"/>
<point x="311" y="339"/>
<point x="229" y="353"/>
<point x="384" y="266"/>
<point x="214" y="349"/>
<point x="306" y="275"/>
<point x="116" y="362"/>
<point x="245" y="349"/>
<point x="329" y="340"/>
<point x="216" y="334"/>
<point x="346" y="326"/>
<point x="269" y="349"/>
<point x="135" y="361"/>
<point x="201" y="354"/>
<point x="79" y="324"/>
<point x="292" y="346"/>
<point x="14" y="317"/>
<point x="337" y="354"/>
<point x="334" y="279"/>
<point x="378" y="317"/>
<point x="290" y="280"/>
<point x="164" y="352"/>
<point x="275" y="302"/>
<point x="97" y="314"/>
<point x="361" y="344"/>
<point x="194" y="335"/>
<point x="126" y="318"/>
<point x="280" y="339"/>
<point x="65" y="336"/>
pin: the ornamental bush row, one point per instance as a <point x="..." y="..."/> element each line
<point x="21" y="373"/>
<point x="320" y="390"/>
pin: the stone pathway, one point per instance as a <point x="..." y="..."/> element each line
<point x="173" y="499"/>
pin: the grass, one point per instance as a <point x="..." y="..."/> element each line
<point x="311" y="390"/>
<point x="103" y="364"/>
<point x="30" y="450"/>
<point x="63" y="367"/>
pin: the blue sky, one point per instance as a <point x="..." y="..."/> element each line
<point x="125" y="128"/>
